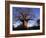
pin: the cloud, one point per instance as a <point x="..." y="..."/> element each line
<point x="32" y="23"/>
<point x="16" y="24"/>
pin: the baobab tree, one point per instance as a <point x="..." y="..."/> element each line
<point x="25" y="16"/>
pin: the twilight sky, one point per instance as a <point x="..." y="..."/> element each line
<point x="16" y="12"/>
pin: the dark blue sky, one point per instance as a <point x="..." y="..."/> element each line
<point x="16" y="12"/>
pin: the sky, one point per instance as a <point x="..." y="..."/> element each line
<point x="16" y="12"/>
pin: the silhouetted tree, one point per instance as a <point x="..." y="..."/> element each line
<point x="25" y="16"/>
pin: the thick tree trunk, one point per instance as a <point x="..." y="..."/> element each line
<point x="25" y="24"/>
